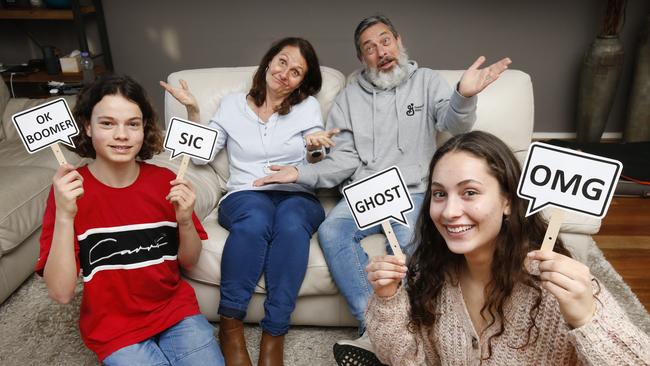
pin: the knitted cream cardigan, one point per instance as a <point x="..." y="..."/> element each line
<point x="608" y="339"/>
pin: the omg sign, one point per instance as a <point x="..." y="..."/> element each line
<point x="568" y="179"/>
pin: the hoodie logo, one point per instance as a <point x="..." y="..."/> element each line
<point x="411" y="109"/>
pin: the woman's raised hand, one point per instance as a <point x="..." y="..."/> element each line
<point x="385" y="274"/>
<point x="185" y="97"/>
<point x="570" y="282"/>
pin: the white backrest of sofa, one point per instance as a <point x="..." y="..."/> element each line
<point x="212" y="84"/>
<point x="505" y="108"/>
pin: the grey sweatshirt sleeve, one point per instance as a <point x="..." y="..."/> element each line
<point x="341" y="162"/>
<point x="452" y="112"/>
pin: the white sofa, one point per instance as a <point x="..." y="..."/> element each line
<point x="504" y="109"/>
<point x="25" y="181"/>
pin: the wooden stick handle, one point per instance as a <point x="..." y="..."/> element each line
<point x="557" y="217"/>
<point x="183" y="167"/>
<point x="56" y="149"/>
<point x="392" y="239"/>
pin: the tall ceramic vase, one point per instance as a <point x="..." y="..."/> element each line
<point x="637" y="126"/>
<point x="601" y="72"/>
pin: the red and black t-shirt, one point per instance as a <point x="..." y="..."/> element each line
<point x="126" y="240"/>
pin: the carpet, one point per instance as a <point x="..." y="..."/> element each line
<point x="36" y="331"/>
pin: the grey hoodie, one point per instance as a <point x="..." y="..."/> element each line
<point x="381" y="128"/>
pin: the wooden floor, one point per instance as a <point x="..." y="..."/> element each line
<point x="624" y="238"/>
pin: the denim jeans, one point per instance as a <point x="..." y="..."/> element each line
<point x="340" y="239"/>
<point x="269" y="234"/>
<point x="189" y="342"/>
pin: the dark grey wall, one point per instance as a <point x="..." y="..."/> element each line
<point x="150" y="39"/>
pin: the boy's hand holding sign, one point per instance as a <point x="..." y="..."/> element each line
<point x="189" y="139"/>
<point x="377" y="199"/>
<point x="45" y="125"/>
<point x="568" y="180"/>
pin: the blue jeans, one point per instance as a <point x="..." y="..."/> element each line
<point x="340" y="239"/>
<point x="269" y="234"/>
<point x="189" y="342"/>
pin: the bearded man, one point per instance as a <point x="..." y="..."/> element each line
<point x="388" y="114"/>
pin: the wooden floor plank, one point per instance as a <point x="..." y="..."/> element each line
<point x="624" y="238"/>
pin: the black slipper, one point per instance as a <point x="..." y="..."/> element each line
<point x="349" y="355"/>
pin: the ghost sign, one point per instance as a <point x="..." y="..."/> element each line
<point x="379" y="197"/>
<point x="189" y="138"/>
<point x="568" y="179"/>
<point x="46" y="125"/>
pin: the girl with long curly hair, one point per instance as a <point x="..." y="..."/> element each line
<point x="478" y="289"/>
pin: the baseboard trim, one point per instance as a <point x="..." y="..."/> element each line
<point x="572" y="135"/>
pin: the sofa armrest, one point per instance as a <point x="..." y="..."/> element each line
<point x="575" y="223"/>
<point x="207" y="186"/>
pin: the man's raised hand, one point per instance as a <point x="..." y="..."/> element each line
<point x="474" y="79"/>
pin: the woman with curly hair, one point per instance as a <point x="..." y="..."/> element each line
<point x="478" y="289"/>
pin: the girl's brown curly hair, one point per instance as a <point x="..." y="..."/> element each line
<point x="433" y="263"/>
<point x="128" y="88"/>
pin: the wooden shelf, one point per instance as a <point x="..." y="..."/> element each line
<point x="43" y="14"/>
<point x="77" y="14"/>
<point x="44" y="77"/>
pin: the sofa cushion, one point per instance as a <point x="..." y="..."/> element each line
<point x="318" y="280"/>
<point x="13" y="153"/>
<point x="16" y="105"/>
<point x="203" y="178"/>
<point x="23" y="195"/>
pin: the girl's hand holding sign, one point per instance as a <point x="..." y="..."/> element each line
<point x="385" y="273"/>
<point x="570" y="282"/>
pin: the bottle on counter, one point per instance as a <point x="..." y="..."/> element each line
<point x="87" y="68"/>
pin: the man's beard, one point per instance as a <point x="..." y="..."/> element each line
<point x="393" y="77"/>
